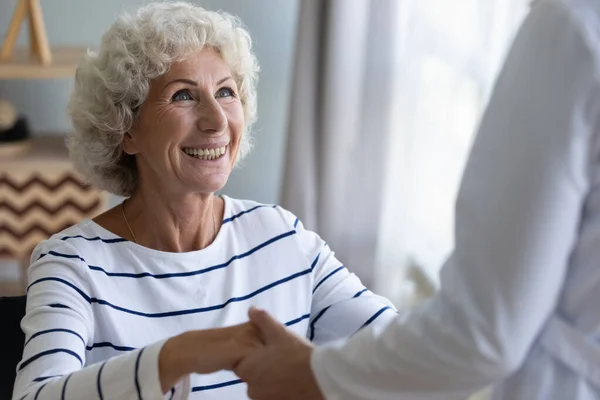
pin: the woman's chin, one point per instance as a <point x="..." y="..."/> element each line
<point x="210" y="184"/>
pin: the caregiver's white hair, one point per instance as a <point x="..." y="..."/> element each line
<point x="111" y="84"/>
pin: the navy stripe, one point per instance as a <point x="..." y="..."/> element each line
<point x="176" y="274"/>
<point x="48" y="352"/>
<point x="127" y="348"/>
<point x="172" y="393"/>
<point x="314" y="321"/>
<point x="98" y="385"/>
<point x="137" y="369"/>
<point x="58" y="305"/>
<point x="24" y="396"/>
<point x="315" y="261"/>
<point x="39" y="390"/>
<point x="54" y="330"/>
<point x="335" y="271"/>
<point x="296" y="223"/>
<point x="216" y="385"/>
<point x="108" y="344"/>
<point x="359" y="293"/>
<point x="51" y="278"/>
<point x="374" y="317"/>
<point x="180" y="312"/>
<point x="62" y="396"/>
<point x="43" y="378"/>
<point x="57" y="254"/>
<point x="226" y="220"/>
<point x="295" y="321"/>
<point x="116" y="240"/>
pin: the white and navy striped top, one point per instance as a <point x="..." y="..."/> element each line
<point x="100" y="307"/>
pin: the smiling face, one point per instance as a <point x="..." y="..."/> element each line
<point x="187" y="135"/>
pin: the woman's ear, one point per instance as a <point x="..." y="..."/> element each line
<point x="128" y="144"/>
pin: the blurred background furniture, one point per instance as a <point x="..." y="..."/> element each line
<point x="12" y="310"/>
<point x="40" y="194"/>
<point x="38" y="41"/>
<point x="39" y="61"/>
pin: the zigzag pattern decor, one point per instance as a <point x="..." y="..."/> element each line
<point x="41" y="194"/>
<point x="36" y="204"/>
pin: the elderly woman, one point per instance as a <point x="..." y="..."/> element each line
<point x="151" y="297"/>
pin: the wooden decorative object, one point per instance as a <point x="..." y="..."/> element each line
<point x="38" y="41"/>
<point x="41" y="194"/>
<point x="38" y="61"/>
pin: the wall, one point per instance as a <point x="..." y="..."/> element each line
<point x="272" y="24"/>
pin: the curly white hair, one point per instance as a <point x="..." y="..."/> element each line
<point x="113" y="82"/>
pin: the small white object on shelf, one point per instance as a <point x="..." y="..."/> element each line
<point x="8" y="115"/>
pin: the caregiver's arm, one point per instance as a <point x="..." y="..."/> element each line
<point x="517" y="218"/>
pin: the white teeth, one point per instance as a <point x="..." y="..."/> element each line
<point x="205" y="154"/>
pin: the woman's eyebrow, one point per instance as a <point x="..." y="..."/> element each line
<point x="224" y="79"/>
<point x="194" y="83"/>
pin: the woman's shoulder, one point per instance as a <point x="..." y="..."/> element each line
<point x="250" y="212"/>
<point x="76" y="240"/>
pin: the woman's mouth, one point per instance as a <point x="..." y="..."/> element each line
<point x="205" y="154"/>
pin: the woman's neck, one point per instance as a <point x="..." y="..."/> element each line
<point x="174" y="224"/>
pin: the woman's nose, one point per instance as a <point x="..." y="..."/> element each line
<point x="212" y="118"/>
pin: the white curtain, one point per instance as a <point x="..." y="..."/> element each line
<point x="340" y="123"/>
<point x="450" y="54"/>
<point x="386" y="97"/>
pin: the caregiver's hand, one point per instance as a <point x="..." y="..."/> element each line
<point x="205" y="351"/>
<point x="281" y="368"/>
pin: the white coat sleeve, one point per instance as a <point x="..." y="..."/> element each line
<point x="517" y="217"/>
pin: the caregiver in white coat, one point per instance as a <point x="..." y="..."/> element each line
<point x="519" y="303"/>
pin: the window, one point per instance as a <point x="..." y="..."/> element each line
<point x="450" y="55"/>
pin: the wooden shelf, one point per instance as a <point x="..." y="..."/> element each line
<point x="38" y="152"/>
<point x="23" y="65"/>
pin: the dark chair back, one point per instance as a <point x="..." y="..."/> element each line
<point x="12" y="310"/>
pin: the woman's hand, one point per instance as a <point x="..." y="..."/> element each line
<point x="205" y="351"/>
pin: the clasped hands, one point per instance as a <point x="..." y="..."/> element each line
<point x="273" y="362"/>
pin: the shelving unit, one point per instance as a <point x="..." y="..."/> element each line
<point x="38" y="61"/>
<point x="25" y="66"/>
<point x="40" y="191"/>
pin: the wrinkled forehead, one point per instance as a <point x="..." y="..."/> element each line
<point x="205" y="64"/>
<point x="205" y="69"/>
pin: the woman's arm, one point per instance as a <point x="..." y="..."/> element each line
<point x="205" y="352"/>
<point x="341" y="304"/>
<point x="517" y="220"/>
<point x="59" y="324"/>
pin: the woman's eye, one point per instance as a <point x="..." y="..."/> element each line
<point x="225" y="92"/>
<point x="182" y="95"/>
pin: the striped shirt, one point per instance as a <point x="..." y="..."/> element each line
<point x="99" y="307"/>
